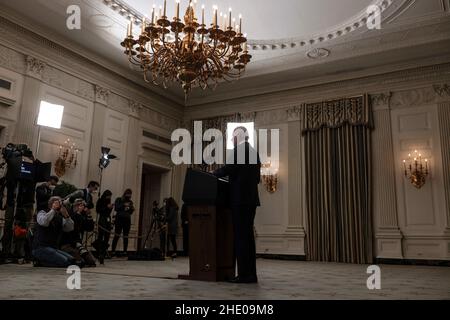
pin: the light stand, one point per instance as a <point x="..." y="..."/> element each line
<point x="104" y="161"/>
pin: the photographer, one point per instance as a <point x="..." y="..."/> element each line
<point x="104" y="208"/>
<point x="71" y="242"/>
<point x="86" y="194"/>
<point x="50" y="226"/>
<point x="124" y="209"/>
<point x="171" y="211"/>
<point x="44" y="192"/>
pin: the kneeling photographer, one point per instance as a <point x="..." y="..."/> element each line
<point x="51" y="225"/>
<point x="71" y="242"/>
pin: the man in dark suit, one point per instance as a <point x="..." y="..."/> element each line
<point x="243" y="170"/>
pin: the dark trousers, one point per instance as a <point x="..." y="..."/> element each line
<point x="103" y="235"/>
<point x="162" y="241"/>
<point x="122" y="224"/>
<point x="244" y="240"/>
<point x="173" y="240"/>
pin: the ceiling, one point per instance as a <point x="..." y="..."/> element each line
<point x="268" y="19"/>
<point x="293" y="42"/>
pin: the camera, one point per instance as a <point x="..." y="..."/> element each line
<point x="21" y="164"/>
<point x="23" y="171"/>
<point x="159" y="215"/>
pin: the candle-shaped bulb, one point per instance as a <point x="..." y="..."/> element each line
<point x="203" y="14"/>
<point x="215" y="15"/>
<point x="131" y="26"/>
<point x="229" y="17"/>
<point x="240" y="23"/>
<point x="153" y="14"/>
<point x="178" y="8"/>
<point x="165" y="6"/>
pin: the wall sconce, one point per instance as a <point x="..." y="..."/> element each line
<point x="269" y="174"/>
<point x="415" y="170"/>
<point x="67" y="158"/>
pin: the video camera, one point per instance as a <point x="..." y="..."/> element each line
<point x="158" y="215"/>
<point x="21" y="165"/>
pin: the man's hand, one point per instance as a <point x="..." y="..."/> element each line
<point x="64" y="212"/>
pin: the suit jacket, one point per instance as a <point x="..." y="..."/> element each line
<point x="244" y="176"/>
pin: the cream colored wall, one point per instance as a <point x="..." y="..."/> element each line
<point x="103" y="111"/>
<point x="411" y="111"/>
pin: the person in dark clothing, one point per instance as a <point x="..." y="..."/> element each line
<point x="71" y="242"/>
<point x="171" y="210"/>
<point x="243" y="171"/>
<point x="89" y="192"/>
<point x="185" y="227"/>
<point x="51" y="225"/>
<point x="86" y="194"/>
<point x="44" y="192"/>
<point x="124" y="209"/>
<point x="104" y="208"/>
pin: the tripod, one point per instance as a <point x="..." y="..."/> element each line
<point x="156" y="226"/>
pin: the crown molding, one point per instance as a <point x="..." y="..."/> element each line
<point x="431" y="80"/>
<point x="21" y="35"/>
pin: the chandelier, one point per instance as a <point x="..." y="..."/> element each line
<point x="187" y="52"/>
<point x="67" y="158"/>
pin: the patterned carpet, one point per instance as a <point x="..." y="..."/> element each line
<point x="121" y="279"/>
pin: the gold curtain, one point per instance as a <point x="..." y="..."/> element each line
<point x="338" y="181"/>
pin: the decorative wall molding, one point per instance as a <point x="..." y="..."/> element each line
<point x="443" y="90"/>
<point x="6" y="102"/>
<point x="294" y="113"/>
<point x="17" y="39"/>
<point x="247" y="116"/>
<point x="413" y="97"/>
<point x="380" y="101"/>
<point x="135" y="109"/>
<point x="35" y="67"/>
<point x="12" y="60"/>
<point x="101" y="95"/>
<point x="58" y="78"/>
<point x="271" y="117"/>
<point x="67" y="82"/>
<point x="285" y="97"/>
<point x="85" y="90"/>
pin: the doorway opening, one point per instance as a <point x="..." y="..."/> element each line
<point x="155" y="186"/>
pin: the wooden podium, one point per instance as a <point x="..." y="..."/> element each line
<point x="211" y="253"/>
